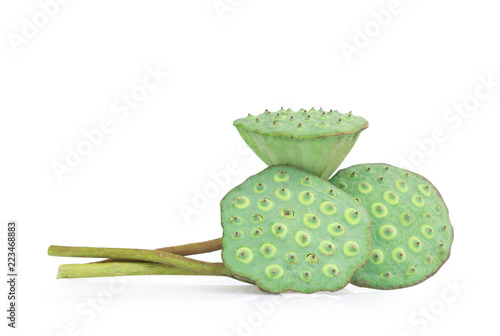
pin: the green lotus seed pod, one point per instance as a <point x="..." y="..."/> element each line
<point x="306" y="236"/>
<point x="411" y="232"/>
<point x="315" y="141"/>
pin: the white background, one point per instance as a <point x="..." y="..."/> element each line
<point x="409" y="78"/>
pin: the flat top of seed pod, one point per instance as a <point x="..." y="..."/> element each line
<point x="411" y="230"/>
<point x="302" y="124"/>
<point x="285" y="229"/>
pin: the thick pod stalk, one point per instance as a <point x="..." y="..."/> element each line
<point x="167" y="258"/>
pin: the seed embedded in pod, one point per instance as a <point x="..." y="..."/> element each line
<point x="268" y="250"/>
<point x="336" y="229"/>
<point x="257" y="233"/>
<point x="279" y="230"/>
<point x="328" y="208"/>
<point x="237" y="235"/>
<point x="331" y="192"/>
<point x="306" y="197"/>
<point x="379" y="210"/>
<point x="291" y="257"/>
<point x="311" y="220"/>
<point x="427" y="231"/>
<point x="241" y="202"/>
<point x="365" y="187"/>
<point x="398" y="255"/>
<point x="306" y="275"/>
<point x="244" y="254"/>
<point x="306" y="181"/>
<point x="283" y="194"/>
<point x="312" y="258"/>
<point x="401" y="185"/>
<point x="387" y="231"/>
<point x="411" y="270"/>
<point x="287" y="213"/>
<point x="351" y="248"/>
<point x="418" y="200"/>
<point x="327" y="247"/>
<point x="302" y="238"/>
<point x="377" y="256"/>
<point x="424" y="189"/>
<point x="331" y="270"/>
<point x="265" y="204"/>
<point x="415" y="244"/>
<point x="236" y="220"/>
<point x="352" y="216"/>
<point x="406" y="219"/>
<point x="259" y="187"/>
<point x="281" y="176"/>
<point x="386" y="274"/>
<point x="256" y="218"/>
<point x="274" y="271"/>
<point x="391" y="198"/>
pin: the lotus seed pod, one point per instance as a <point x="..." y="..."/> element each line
<point x="288" y="230"/>
<point x="315" y="140"/>
<point x="411" y="231"/>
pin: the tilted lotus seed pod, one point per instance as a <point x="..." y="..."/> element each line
<point x="316" y="141"/>
<point x="286" y="229"/>
<point x="411" y="231"/>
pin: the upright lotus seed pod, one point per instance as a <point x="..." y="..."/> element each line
<point x="286" y="229"/>
<point x="316" y="141"/>
<point x="411" y="230"/>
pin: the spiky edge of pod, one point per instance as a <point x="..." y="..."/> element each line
<point x="335" y="130"/>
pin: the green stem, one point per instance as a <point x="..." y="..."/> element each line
<point x="195" y="248"/>
<point x="187" y="249"/>
<point x="121" y="268"/>
<point x="162" y="257"/>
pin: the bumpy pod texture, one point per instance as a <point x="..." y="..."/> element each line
<point x="285" y="229"/>
<point x="411" y="231"/>
<point x="316" y="141"/>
